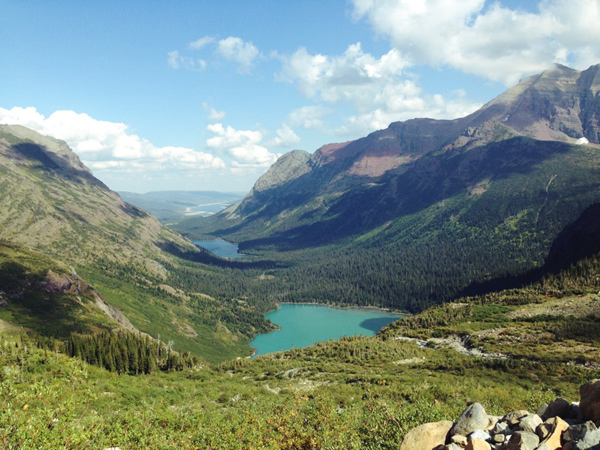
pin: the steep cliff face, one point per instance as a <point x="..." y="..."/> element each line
<point x="561" y="105"/>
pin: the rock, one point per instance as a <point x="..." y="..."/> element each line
<point x="523" y="440"/>
<point x="542" y="409"/>
<point x="480" y="434"/>
<point x="575" y="412"/>
<point x="427" y="436"/>
<point x="473" y="418"/>
<point x="558" y="407"/>
<point x="590" y="401"/>
<point x="478" y="444"/>
<point x="492" y="421"/>
<point x="499" y="438"/>
<point x="530" y="422"/>
<point x="512" y="418"/>
<point x="453" y="446"/>
<point x="501" y="428"/>
<point x="591" y="440"/>
<point x="556" y="427"/>
<point x="578" y="432"/>
<point x="544" y="447"/>
<point x="459" y="440"/>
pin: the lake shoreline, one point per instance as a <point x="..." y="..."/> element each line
<point x="304" y="324"/>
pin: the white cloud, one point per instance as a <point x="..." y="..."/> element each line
<point x="309" y="117"/>
<point x="241" y="52"/>
<point x="492" y="41"/>
<point x="377" y="89"/>
<point x="176" y="61"/>
<point x="214" y="115"/>
<point x="202" y="42"/>
<point x="285" y="137"/>
<point x="354" y="77"/>
<point x="104" y="145"/>
<point x="242" y="145"/>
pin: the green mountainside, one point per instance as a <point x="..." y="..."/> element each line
<point x="510" y="350"/>
<point x="426" y="209"/>
<point x="51" y="204"/>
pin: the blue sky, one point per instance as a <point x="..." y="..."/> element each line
<point x="206" y="94"/>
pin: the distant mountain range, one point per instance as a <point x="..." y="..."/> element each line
<point x="170" y="207"/>
<point x="458" y="201"/>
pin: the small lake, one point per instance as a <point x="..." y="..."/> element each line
<point x="221" y="248"/>
<point x="305" y="325"/>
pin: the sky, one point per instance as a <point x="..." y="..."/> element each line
<point x="206" y="95"/>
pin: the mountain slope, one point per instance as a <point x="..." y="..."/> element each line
<point x="415" y="213"/>
<point x="51" y="203"/>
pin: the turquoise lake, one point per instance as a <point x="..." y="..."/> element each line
<point x="304" y="325"/>
<point x="221" y="248"/>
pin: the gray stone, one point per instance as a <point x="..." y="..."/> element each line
<point x="542" y="409"/>
<point x="513" y="417"/>
<point x="578" y="432"/>
<point x="480" y="434"/>
<point x="530" y="422"/>
<point x="473" y="418"/>
<point x="591" y="440"/>
<point x="544" y="447"/>
<point x="558" y="407"/>
<point x="501" y="427"/>
<point x="453" y="446"/>
<point x="523" y="440"/>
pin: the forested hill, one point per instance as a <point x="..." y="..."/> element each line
<point x="415" y="214"/>
<point x="55" y="216"/>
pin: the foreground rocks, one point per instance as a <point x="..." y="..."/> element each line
<point x="561" y="425"/>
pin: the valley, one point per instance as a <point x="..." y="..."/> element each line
<point x="120" y="330"/>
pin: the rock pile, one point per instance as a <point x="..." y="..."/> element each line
<point x="561" y="425"/>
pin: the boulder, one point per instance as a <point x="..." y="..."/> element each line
<point x="512" y="418"/>
<point x="558" y="407"/>
<point x="473" y="418"/>
<point x="555" y="428"/>
<point x="428" y="436"/>
<point x="523" y="440"/>
<point x="578" y="431"/>
<point x="590" y="401"/>
<point x="530" y="422"/>
<point x="480" y="434"/>
<point x="478" y="444"/>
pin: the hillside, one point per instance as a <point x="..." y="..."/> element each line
<point x="52" y="204"/>
<point x="510" y="351"/>
<point x="418" y="212"/>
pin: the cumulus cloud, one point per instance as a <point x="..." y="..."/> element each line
<point x="244" y="146"/>
<point x="104" y="145"/>
<point x="485" y="38"/>
<point x="309" y="117"/>
<point x="176" y="61"/>
<point x="241" y="52"/>
<point x="378" y="89"/>
<point x="285" y="137"/>
<point x="353" y="77"/>
<point x="232" y="49"/>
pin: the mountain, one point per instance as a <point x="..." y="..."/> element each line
<point x="52" y="205"/>
<point x="172" y="206"/>
<point x="427" y="207"/>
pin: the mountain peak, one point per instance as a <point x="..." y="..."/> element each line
<point x="48" y="150"/>
<point x="288" y="166"/>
